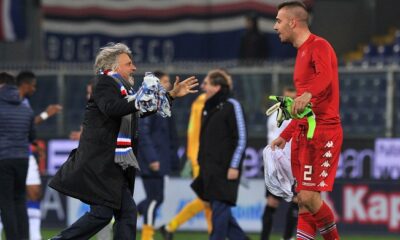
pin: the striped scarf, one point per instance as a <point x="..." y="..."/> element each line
<point x="124" y="155"/>
<point x="151" y="97"/>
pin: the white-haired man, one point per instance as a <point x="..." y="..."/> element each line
<point x="101" y="171"/>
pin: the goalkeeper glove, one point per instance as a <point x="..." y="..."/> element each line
<point x="284" y="108"/>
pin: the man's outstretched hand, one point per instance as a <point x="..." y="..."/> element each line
<point x="182" y="88"/>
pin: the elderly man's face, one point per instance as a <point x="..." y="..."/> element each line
<point x="125" y="66"/>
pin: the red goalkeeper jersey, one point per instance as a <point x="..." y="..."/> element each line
<point x="316" y="71"/>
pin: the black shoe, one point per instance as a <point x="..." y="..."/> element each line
<point x="165" y="234"/>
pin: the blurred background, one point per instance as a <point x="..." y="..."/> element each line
<point x="58" y="41"/>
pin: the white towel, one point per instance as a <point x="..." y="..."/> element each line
<point x="278" y="173"/>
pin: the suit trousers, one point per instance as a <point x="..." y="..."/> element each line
<point x="99" y="216"/>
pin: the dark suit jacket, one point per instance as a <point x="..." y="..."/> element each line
<point x="90" y="173"/>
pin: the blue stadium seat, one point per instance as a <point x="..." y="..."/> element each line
<point x="370" y="51"/>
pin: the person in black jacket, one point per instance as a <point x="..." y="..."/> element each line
<point x="158" y="146"/>
<point x="101" y="171"/>
<point x="16" y="131"/>
<point x="223" y="140"/>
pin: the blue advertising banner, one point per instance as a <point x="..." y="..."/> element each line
<point x="157" y="31"/>
<point x="363" y="159"/>
<point x="12" y="20"/>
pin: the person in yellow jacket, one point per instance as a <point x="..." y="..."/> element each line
<point x="196" y="206"/>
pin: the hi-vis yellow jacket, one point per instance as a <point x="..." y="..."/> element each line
<point x="193" y="132"/>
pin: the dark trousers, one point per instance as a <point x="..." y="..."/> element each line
<point x="224" y="224"/>
<point x="99" y="216"/>
<point x="13" y="198"/>
<point x="154" y="188"/>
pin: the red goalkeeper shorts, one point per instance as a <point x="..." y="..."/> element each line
<point x="314" y="162"/>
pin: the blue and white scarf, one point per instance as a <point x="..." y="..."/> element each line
<point x="150" y="97"/>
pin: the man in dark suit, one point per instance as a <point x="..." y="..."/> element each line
<point x="101" y="171"/>
<point x="157" y="157"/>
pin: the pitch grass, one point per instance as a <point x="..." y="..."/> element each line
<point x="203" y="236"/>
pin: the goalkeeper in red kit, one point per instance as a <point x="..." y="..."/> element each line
<point x="314" y="161"/>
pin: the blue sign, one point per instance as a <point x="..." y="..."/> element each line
<point x="156" y="31"/>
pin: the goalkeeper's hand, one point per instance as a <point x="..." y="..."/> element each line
<point x="300" y="103"/>
<point x="279" y="142"/>
<point x="298" y="108"/>
<point x="286" y="105"/>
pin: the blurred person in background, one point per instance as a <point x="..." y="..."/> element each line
<point x="26" y="82"/>
<point x="16" y="132"/>
<point x="253" y="53"/>
<point x="196" y="206"/>
<point x="157" y="156"/>
<point x="76" y="135"/>
<point x="222" y="143"/>
<point x="253" y="49"/>
<point x="314" y="161"/>
<point x="101" y="171"/>
<point x="272" y="200"/>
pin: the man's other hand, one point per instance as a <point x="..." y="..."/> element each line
<point x="278" y="142"/>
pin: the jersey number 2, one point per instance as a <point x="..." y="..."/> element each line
<point x="307" y="172"/>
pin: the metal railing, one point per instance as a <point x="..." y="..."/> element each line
<point x="369" y="99"/>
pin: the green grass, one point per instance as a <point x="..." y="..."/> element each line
<point x="203" y="236"/>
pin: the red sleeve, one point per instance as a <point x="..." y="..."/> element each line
<point x="321" y="61"/>
<point x="288" y="132"/>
